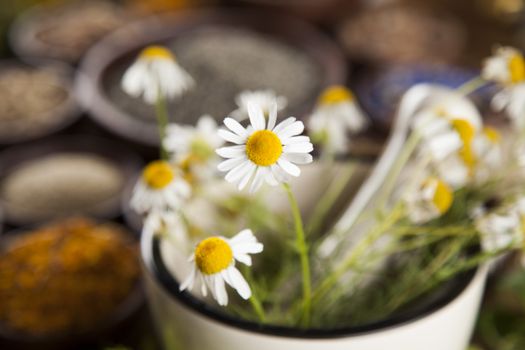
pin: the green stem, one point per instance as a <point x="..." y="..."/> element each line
<point x="472" y="85"/>
<point x="257" y="307"/>
<point x="404" y="156"/>
<point x="161" y="111"/>
<point x="302" y="249"/>
<point x="362" y="247"/>
<point x="328" y="199"/>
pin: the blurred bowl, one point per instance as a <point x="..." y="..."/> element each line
<point x="124" y="315"/>
<point x="120" y="47"/>
<point x="402" y="34"/>
<point x="379" y="91"/>
<point x="323" y="11"/>
<point x="60" y="116"/>
<point x="63" y="31"/>
<point x="124" y="161"/>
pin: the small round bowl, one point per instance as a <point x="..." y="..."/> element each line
<point x="379" y="90"/>
<point x="32" y="35"/>
<point x="402" y="34"/>
<point x="124" y="314"/>
<point x="121" y="47"/>
<point x="322" y="11"/>
<point x="125" y="161"/>
<point x="64" y="113"/>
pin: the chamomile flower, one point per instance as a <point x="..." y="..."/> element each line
<point x="336" y="115"/>
<point x="511" y="100"/>
<point x="193" y="147"/>
<point x="498" y="231"/>
<point x="430" y="200"/>
<point x="263" y="151"/>
<point x="503" y="228"/>
<point x="262" y="98"/>
<point x="159" y="188"/>
<point x="213" y="265"/>
<point x="156" y="73"/>
<point x="167" y="223"/>
<point x="506" y="66"/>
<point x="488" y="152"/>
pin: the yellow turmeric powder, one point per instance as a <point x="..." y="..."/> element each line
<point x="66" y="278"/>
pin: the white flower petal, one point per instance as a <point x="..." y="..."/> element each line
<point x="290" y="168"/>
<point x="298" y="158"/>
<point x="248" y="175"/>
<point x="285" y="123"/>
<point x="295" y="128"/>
<point x="231" y="163"/>
<point x="272" y="116"/>
<point x="232" y="151"/>
<point x="231" y="137"/>
<point x="236" y="127"/>
<point x="238" y="172"/>
<point x="305" y="147"/>
<point x="295" y="139"/>
<point x="239" y="283"/>
<point x="258" y="179"/>
<point x="256" y="116"/>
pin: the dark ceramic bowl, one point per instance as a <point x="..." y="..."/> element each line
<point x="45" y="31"/>
<point x="125" y="161"/>
<point x="65" y="113"/>
<point x="380" y="90"/>
<point x="124" y="315"/>
<point x="110" y="57"/>
<point x="323" y="11"/>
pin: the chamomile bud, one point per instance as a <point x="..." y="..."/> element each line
<point x="336" y="116"/>
<point x="430" y="200"/>
<point x="156" y="74"/>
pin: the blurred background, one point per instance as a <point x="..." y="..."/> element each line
<point x="72" y="143"/>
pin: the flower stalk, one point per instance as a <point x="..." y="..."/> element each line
<point x="161" y="111"/>
<point x="302" y="249"/>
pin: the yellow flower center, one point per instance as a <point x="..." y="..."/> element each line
<point x="492" y="134"/>
<point x="516" y="67"/>
<point x="158" y="174"/>
<point x="155" y="52"/>
<point x="264" y="148"/>
<point x="335" y="94"/>
<point x="443" y="196"/>
<point x="213" y="255"/>
<point x="466" y="132"/>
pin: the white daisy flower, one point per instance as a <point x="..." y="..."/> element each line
<point x="263" y="151"/>
<point x="159" y="188"/>
<point x="506" y="66"/>
<point x="193" y="147"/>
<point x="156" y="73"/>
<point x="336" y="115"/>
<point x="448" y="141"/>
<point x="262" y="98"/>
<point x="488" y="152"/>
<point x="167" y="222"/>
<point x="214" y="264"/>
<point x="430" y="200"/>
<point x="511" y="100"/>
<point x="499" y="231"/>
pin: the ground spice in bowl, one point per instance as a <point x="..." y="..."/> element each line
<point x="33" y="101"/>
<point x="64" y="31"/>
<point x="71" y="277"/>
<point x="60" y="184"/>
<point x="225" y="61"/>
<point x="399" y="33"/>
